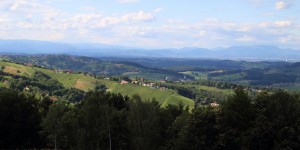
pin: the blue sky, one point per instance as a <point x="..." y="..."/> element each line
<point x="154" y="23"/>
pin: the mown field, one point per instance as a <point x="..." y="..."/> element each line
<point x="146" y="75"/>
<point x="86" y="83"/>
<point x="164" y="97"/>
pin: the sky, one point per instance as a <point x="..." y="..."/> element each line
<point x="154" y="23"/>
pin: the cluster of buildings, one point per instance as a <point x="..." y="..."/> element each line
<point x="142" y="82"/>
<point x="214" y="104"/>
<point x="252" y="90"/>
<point x="68" y="71"/>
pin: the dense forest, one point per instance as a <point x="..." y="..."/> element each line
<point x="103" y="120"/>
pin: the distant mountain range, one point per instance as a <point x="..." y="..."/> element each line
<point x="257" y="52"/>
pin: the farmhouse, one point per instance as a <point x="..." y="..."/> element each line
<point x="214" y="104"/>
<point x="124" y="82"/>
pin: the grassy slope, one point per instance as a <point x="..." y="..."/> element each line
<point x="2" y="84"/>
<point x="164" y="97"/>
<point x="147" y="75"/>
<point x="214" y="89"/>
<point x="86" y="83"/>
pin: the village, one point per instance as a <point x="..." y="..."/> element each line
<point x="142" y="82"/>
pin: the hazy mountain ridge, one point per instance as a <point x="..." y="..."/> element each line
<point x="257" y="52"/>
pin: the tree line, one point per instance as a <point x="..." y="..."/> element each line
<point x="102" y="120"/>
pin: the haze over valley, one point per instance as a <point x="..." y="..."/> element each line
<point x="250" y="53"/>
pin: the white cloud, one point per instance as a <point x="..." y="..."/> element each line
<point x="206" y="33"/>
<point x="264" y="24"/>
<point x="283" y="23"/>
<point x="85" y="18"/>
<point x="289" y="39"/>
<point x="25" y="25"/>
<point x="245" y="38"/>
<point x="281" y="5"/>
<point x="89" y="9"/>
<point x="134" y="17"/>
<point x="137" y="16"/>
<point x="24" y="4"/>
<point x="31" y="19"/>
<point x="229" y="26"/>
<point x="201" y="33"/>
<point x="127" y="1"/>
<point x="105" y="22"/>
<point x="92" y="20"/>
<point x="157" y="10"/>
<point x="174" y="21"/>
<point x="131" y="30"/>
<point x="244" y="28"/>
<point x="27" y="9"/>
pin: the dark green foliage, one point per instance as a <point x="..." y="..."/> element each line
<point x="186" y="92"/>
<point x="200" y="131"/>
<point x="270" y="121"/>
<point x="126" y="78"/>
<point x="103" y="120"/>
<point x="44" y="82"/>
<point x="72" y="95"/>
<point x="277" y="121"/>
<point x="53" y="124"/>
<point x="149" y="124"/>
<point x="270" y="79"/>
<point x="236" y="117"/>
<point x="189" y="89"/>
<point x="39" y="82"/>
<point x="19" y="120"/>
<point x="183" y="64"/>
<point x="143" y="122"/>
<point x="174" y="130"/>
<point x="217" y="84"/>
<point x="237" y="111"/>
<point x="100" y="87"/>
<point x="43" y="105"/>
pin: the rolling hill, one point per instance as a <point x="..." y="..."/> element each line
<point x="96" y="66"/>
<point x="86" y="83"/>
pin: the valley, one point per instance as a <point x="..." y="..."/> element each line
<point x="149" y="75"/>
<point x="66" y="98"/>
<point x="175" y="81"/>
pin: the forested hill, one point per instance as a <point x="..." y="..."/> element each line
<point x="291" y="69"/>
<point x="198" y="64"/>
<point x="96" y="66"/>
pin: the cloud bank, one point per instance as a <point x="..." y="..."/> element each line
<point x="33" y="19"/>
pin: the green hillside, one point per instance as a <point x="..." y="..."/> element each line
<point x="86" y="83"/>
<point x="164" y="97"/>
<point x="95" y="66"/>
